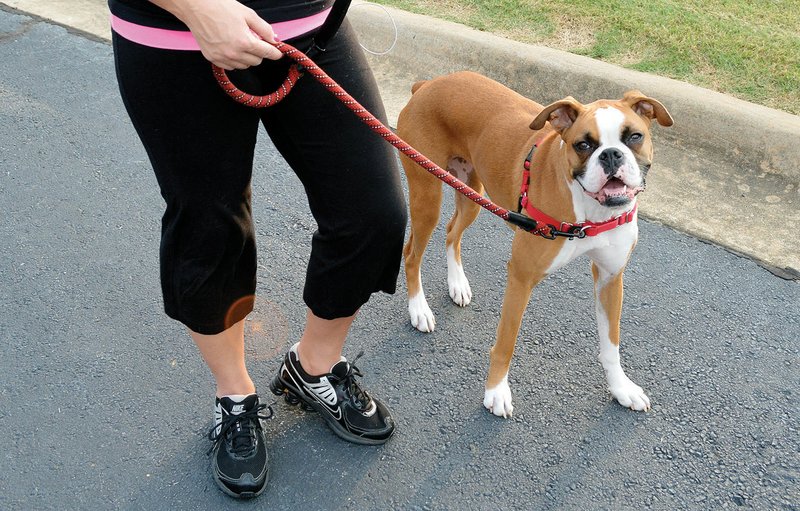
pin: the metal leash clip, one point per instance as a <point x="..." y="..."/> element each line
<point x="574" y="231"/>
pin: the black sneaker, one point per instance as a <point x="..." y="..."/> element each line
<point x="348" y="409"/>
<point x="239" y="454"/>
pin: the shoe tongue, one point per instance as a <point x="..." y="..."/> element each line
<point x="237" y="404"/>
<point x="340" y="368"/>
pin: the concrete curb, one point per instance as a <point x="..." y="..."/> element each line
<point x="728" y="171"/>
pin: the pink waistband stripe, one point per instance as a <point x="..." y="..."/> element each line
<point x="184" y="40"/>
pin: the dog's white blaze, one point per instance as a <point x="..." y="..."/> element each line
<point x="498" y="399"/>
<point x="609" y="124"/>
<point x="457" y="282"/>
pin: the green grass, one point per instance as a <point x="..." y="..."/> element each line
<point x="745" y="48"/>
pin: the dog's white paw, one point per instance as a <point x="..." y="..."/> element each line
<point x="457" y="281"/>
<point x="630" y="395"/>
<point x="498" y="400"/>
<point x="460" y="291"/>
<point x="421" y="314"/>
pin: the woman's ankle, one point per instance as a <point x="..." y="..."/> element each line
<point x="241" y="387"/>
<point x="315" y="363"/>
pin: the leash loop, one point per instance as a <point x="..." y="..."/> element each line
<point x="253" y="100"/>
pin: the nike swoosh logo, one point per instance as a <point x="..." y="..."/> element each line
<point x="337" y="414"/>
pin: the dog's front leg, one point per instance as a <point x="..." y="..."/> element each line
<point x="521" y="281"/>
<point x="608" y="306"/>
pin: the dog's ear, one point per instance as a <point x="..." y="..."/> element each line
<point x="561" y="114"/>
<point x="648" y="108"/>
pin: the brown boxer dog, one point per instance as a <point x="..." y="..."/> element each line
<point x="587" y="168"/>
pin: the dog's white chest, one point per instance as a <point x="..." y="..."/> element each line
<point x="610" y="249"/>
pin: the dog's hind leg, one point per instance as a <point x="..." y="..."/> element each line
<point x="466" y="211"/>
<point x="425" y="199"/>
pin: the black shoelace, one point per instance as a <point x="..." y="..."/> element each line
<point x="359" y="397"/>
<point x="239" y="430"/>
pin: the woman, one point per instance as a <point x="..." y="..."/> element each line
<point x="201" y="144"/>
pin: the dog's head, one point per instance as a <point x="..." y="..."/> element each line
<point x="607" y="143"/>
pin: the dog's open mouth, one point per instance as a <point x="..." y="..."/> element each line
<point x="615" y="193"/>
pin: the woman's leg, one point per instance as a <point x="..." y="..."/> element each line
<point x="224" y="355"/>
<point x="353" y="187"/>
<point x="201" y="144"/>
<point x="321" y="345"/>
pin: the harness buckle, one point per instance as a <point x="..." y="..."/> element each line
<point x="571" y="232"/>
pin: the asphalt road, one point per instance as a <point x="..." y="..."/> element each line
<point x="105" y="402"/>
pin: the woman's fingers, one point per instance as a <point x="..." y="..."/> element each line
<point x="247" y="57"/>
<point x="268" y="51"/>
<point x="265" y="36"/>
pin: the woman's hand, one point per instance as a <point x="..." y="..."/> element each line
<point x="229" y="34"/>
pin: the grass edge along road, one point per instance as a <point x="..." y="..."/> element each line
<point x="746" y="49"/>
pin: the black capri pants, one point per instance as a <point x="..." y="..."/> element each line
<point x="201" y="145"/>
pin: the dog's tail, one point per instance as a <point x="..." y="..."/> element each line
<point x="417" y="85"/>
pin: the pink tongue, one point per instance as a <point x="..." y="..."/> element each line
<point x="614" y="187"/>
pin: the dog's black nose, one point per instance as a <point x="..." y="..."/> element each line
<point x="611" y="159"/>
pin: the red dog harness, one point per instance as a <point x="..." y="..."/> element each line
<point x="549" y="227"/>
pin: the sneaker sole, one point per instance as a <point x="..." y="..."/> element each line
<point x="294" y="396"/>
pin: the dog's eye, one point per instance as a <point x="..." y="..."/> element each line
<point x="635" y="138"/>
<point x="582" y="146"/>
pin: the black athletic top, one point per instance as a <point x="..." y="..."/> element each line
<point x="148" y="14"/>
